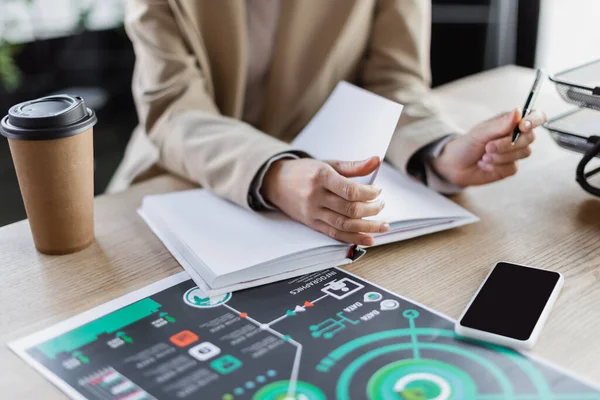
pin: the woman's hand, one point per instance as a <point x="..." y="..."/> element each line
<point x="485" y="154"/>
<point x="320" y="195"/>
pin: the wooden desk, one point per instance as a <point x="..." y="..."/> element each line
<point x="540" y="217"/>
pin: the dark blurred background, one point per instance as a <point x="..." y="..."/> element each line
<point x="78" y="46"/>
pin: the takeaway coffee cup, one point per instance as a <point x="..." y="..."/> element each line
<point x="52" y="148"/>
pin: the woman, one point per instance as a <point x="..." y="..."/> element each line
<point x="222" y="86"/>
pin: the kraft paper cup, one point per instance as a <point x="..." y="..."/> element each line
<point x="51" y="142"/>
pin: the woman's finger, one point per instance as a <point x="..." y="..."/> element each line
<point x="507" y="157"/>
<point x="352" y="209"/>
<point x="497" y="172"/>
<point x="348" y="237"/>
<point x="345" y="224"/>
<point x="346" y="188"/>
<point x="504" y="145"/>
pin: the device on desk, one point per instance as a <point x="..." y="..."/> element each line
<point x="579" y="130"/>
<point x="580" y="85"/>
<point x="576" y="130"/>
<point x="511" y="306"/>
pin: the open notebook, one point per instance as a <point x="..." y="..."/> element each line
<point x="224" y="247"/>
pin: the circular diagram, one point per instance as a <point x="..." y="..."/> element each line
<point x="420" y="379"/>
<point x="195" y="298"/>
<point x="426" y="364"/>
<point x="279" y="391"/>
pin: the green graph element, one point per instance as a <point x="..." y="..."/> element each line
<point x="331" y="326"/>
<point x="226" y="364"/>
<point x="279" y="391"/>
<point x="166" y="316"/>
<point x="124" y="337"/>
<point x="411" y="315"/>
<point x="78" y="355"/>
<point x="342" y="388"/>
<point x="108" y="324"/>
<point x="420" y="380"/>
<point x="353" y="345"/>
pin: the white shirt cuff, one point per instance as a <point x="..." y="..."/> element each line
<point x="261" y="176"/>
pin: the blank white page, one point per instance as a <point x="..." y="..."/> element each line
<point x="227" y="237"/>
<point x="353" y="124"/>
<point x="407" y="199"/>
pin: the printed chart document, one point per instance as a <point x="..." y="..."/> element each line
<point x="224" y="247"/>
<point x="327" y="335"/>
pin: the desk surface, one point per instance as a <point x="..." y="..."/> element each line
<point x="539" y="217"/>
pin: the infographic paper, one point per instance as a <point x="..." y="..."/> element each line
<point x="326" y="335"/>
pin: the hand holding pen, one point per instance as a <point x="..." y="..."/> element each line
<point x="489" y="151"/>
<point x="535" y="89"/>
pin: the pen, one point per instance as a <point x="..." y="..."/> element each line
<point x="537" y="84"/>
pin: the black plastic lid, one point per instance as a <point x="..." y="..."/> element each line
<point x="47" y="118"/>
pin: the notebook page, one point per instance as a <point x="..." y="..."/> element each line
<point x="407" y="199"/>
<point x="227" y="237"/>
<point x="353" y="124"/>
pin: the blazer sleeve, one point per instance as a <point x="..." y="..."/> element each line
<point x="179" y="114"/>
<point x="396" y="66"/>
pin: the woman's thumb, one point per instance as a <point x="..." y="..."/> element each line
<point x="351" y="169"/>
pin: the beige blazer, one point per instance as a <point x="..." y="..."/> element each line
<point x="190" y="76"/>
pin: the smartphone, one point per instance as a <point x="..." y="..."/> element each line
<point x="511" y="306"/>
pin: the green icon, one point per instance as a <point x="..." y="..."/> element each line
<point x="226" y="364"/>
<point x="124" y="337"/>
<point x="290" y="313"/>
<point x="196" y="298"/>
<point x="227" y="396"/>
<point x="372" y="297"/>
<point x="410" y="314"/>
<point x="286" y="338"/>
<point x="78" y="355"/>
<point x="166" y="316"/>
